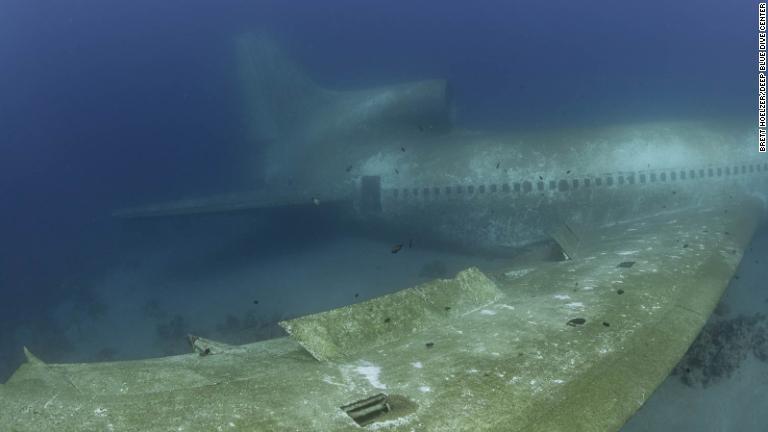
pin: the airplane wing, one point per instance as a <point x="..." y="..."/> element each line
<point x="576" y="345"/>
<point x="228" y="203"/>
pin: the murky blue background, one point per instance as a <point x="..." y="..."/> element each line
<point x="105" y="104"/>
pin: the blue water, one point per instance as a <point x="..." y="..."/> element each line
<point x="107" y="104"/>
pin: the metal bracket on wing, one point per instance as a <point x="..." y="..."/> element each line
<point x="206" y="347"/>
<point x="569" y="241"/>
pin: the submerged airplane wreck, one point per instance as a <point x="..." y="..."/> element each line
<point x="651" y="222"/>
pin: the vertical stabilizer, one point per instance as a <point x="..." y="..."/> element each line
<point x="278" y="94"/>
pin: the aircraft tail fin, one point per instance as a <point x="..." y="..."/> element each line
<point x="283" y="104"/>
<point x="278" y="93"/>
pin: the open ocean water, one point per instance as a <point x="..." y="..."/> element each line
<point x="105" y="105"/>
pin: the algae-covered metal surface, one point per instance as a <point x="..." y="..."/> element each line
<point x="574" y="345"/>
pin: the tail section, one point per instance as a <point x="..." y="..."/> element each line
<point x="287" y="110"/>
<point x="278" y="94"/>
<point x="284" y="104"/>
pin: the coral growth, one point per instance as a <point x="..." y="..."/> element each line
<point x="721" y="347"/>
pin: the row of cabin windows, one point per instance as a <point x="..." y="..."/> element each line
<point x="565" y="185"/>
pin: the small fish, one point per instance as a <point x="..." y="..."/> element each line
<point x="541" y="178"/>
<point x="349" y="168"/>
<point x="396" y="171"/>
<point x="255" y="302"/>
<point x="396" y="248"/>
<point x="429" y="345"/>
<point x="576" y="322"/>
<point x="421" y="128"/>
<point x="316" y="201"/>
<point x="568" y="172"/>
<point x="402" y="148"/>
<point x="497" y="165"/>
<point x="357" y="295"/>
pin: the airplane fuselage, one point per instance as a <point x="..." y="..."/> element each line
<point x="503" y="191"/>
